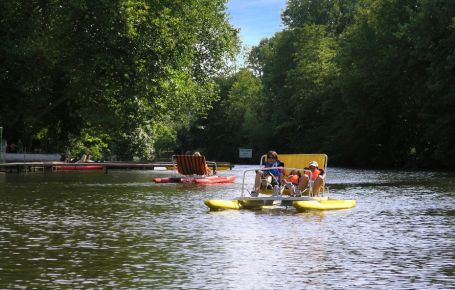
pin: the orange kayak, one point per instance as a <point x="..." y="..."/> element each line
<point x="202" y="180"/>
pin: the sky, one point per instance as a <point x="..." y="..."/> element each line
<point x="257" y="19"/>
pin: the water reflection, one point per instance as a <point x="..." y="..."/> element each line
<point x="119" y="230"/>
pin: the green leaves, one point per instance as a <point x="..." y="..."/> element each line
<point x="109" y="67"/>
<point x="369" y="82"/>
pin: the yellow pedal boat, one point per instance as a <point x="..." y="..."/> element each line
<point x="282" y="196"/>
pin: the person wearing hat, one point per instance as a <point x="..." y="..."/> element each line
<point x="314" y="177"/>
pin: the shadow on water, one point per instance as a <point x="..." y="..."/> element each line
<point x="120" y="230"/>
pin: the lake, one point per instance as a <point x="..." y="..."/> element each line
<point x="120" y="230"/>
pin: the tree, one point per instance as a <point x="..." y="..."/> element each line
<point x="137" y="62"/>
<point x="368" y="82"/>
<point x="335" y="15"/>
<point x="431" y="31"/>
<point x="235" y="119"/>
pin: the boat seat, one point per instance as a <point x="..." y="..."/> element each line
<point x="301" y="161"/>
<point x="191" y="165"/>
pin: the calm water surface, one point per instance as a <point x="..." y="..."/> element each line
<point x="120" y="230"/>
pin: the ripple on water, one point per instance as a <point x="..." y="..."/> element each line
<point x="119" y="230"/>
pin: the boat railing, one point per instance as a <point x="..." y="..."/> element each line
<point x="266" y="168"/>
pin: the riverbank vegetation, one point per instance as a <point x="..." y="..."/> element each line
<point x="109" y="77"/>
<point x="371" y="83"/>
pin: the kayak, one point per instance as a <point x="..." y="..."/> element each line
<point x="77" y="167"/>
<point x="174" y="180"/>
<point x="324" y="204"/>
<point x="215" y="179"/>
<point x="300" y="203"/>
<point x="172" y="167"/>
<point x="198" y="180"/>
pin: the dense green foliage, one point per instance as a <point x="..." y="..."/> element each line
<point x="371" y="83"/>
<point x="98" y="76"/>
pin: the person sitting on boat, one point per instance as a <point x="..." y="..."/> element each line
<point x="312" y="177"/>
<point x="268" y="178"/>
<point x="292" y="181"/>
<point x="293" y="177"/>
<point x="82" y="159"/>
<point x="209" y="171"/>
<point x="89" y="158"/>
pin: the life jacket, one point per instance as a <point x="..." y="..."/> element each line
<point x="294" y="179"/>
<point x="314" y="174"/>
<point x="274" y="172"/>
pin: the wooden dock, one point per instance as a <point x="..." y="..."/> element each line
<point x="18" y="167"/>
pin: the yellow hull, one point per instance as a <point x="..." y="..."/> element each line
<point x="245" y="203"/>
<point x="324" y="204"/>
<point x="220" y="204"/>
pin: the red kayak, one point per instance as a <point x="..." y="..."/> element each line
<point x="215" y="179"/>
<point x="203" y="180"/>
<point x="173" y="180"/>
<point x="77" y="167"/>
